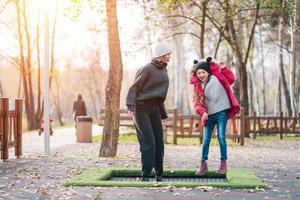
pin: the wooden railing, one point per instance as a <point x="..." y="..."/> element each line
<point x="190" y="126"/>
<point x="183" y="126"/>
<point x="10" y="128"/>
<point x="272" y="125"/>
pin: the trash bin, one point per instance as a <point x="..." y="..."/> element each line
<point x="84" y="129"/>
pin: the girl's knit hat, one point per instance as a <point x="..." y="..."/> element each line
<point x="205" y="65"/>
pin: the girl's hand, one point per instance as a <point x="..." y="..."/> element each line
<point x="222" y="64"/>
<point x="204" y="118"/>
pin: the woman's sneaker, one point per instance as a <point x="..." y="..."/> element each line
<point x="145" y="179"/>
<point x="158" y="178"/>
<point x="202" y="168"/>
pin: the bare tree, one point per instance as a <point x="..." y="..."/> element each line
<point x="148" y="33"/>
<point x="297" y="28"/>
<point x="253" y="94"/>
<point x="238" y="51"/>
<point x="23" y="67"/>
<point x="228" y="30"/>
<point x="282" y="5"/>
<point x="39" y="108"/>
<point x="262" y="63"/>
<point x="204" y="8"/>
<point x="293" y="30"/>
<point x="113" y="87"/>
<point x="25" y="61"/>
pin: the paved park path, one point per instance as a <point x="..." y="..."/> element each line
<point x="35" y="176"/>
<point x="33" y="143"/>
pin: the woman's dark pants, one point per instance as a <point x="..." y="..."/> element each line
<point x="150" y="136"/>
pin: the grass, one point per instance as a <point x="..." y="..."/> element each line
<point x="132" y="138"/>
<point x="276" y="137"/>
<point x="236" y="179"/>
<point x="58" y="127"/>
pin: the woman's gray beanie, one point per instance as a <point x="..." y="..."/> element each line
<point x="161" y="49"/>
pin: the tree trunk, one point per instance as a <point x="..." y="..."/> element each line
<point x="243" y="87"/>
<point x="22" y="61"/>
<point x="19" y="84"/>
<point x="148" y="33"/>
<point x="59" y="113"/>
<point x="251" y="99"/>
<point x="113" y="86"/>
<point x="178" y="82"/>
<point x="217" y="46"/>
<point x="255" y="99"/>
<point x="39" y="92"/>
<point x="204" y="7"/>
<point x="241" y="61"/>
<point x="279" y="95"/>
<point x="175" y="70"/>
<point x="278" y="104"/>
<point x="262" y="59"/>
<point x="281" y="69"/>
<point x="294" y="61"/>
<point x="32" y="123"/>
<point x="1" y="91"/>
<point x="297" y="2"/>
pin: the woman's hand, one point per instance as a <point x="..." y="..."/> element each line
<point x="130" y="113"/>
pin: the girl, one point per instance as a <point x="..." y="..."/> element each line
<point x="215" y="102"/>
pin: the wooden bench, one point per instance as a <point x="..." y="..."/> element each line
<point x="127" y="121"/>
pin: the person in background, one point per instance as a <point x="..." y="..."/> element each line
<point x="79" y="108"/>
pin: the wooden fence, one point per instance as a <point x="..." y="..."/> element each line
<point x="10" y="128"/>
<point x="190" y="126"/>
<point x="184" y="126"/>
<point x="271" y="125"/>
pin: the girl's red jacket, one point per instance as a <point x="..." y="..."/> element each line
<point x="226" y="78"/>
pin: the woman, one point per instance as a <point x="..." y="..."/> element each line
<point x="144" y="102"/>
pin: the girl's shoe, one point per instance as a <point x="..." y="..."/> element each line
<point x="202" y="169"/>
<point x="223" y="167"/>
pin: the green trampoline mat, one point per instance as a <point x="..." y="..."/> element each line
<point x="235" y="179"/>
